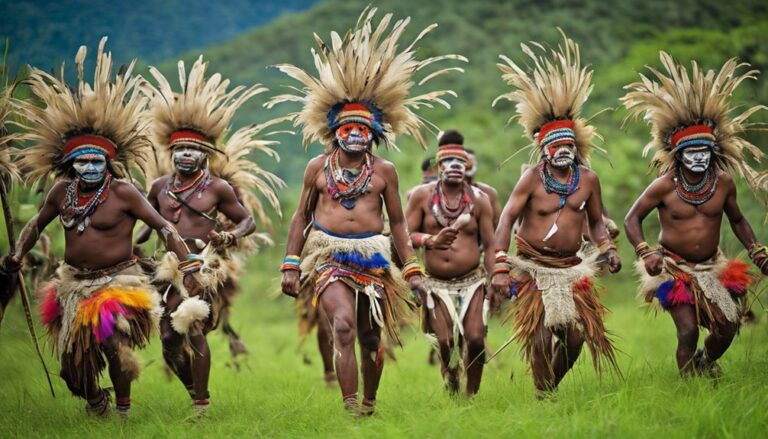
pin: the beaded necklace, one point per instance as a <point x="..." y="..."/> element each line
<point x="198" y="185"/>
<point x="444" y="214"/>
<point x="551" y="185"/>
<point x="343" y="184"/>
<point x="695" y="193"/>
<point x="78" y="208"/>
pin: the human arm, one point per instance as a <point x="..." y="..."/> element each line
<point x="414" y="214"/>
<point x="399" y="228"/>
<point x="485" y="223"/>
<point x="233" y="209"/>
<point x="145" y="231"/>
<point x="597" y="229"/>
<point x="299" y="222"/>
<point x="512" y="210"/>
<point x="649" y="200"/>
<point x="32" y="230"/>
<point x="741" y="227"/>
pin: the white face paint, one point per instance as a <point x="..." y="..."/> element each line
<point x="188" y="160"/>
<point x="453" y="170"/>
<point x="91" y="168"/>
<point x="472" y="166"/>
<point x="561" y="156"/>
<point x="696" y="159"/>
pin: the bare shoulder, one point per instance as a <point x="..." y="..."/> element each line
<point x="221" y="186"/>
<point x="486" y="188"/>
<point x="58" y="191"/>
<point x="158" y="184"/>
<point x="482" y="200"/>
<point x="725" y="180"/>
<point x="124" y="189"/>
<point x="314" y="166"/>
<point x="587" y="175"/>
<point x="422" y="191"/>
<point x="384" y="167"/>
<point x="528" y="179"/>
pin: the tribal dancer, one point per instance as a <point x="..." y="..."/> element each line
<point x="100" y="306"/>
<point x="698" y="151"/>
<point x="557" y="309"/>
<point x="190" y="127"/>
<point x="359" y="98"/>
<point x="450" y="219"/>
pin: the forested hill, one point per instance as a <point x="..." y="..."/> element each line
<point x="45" y="32"/>
<point x="616" y="38"/>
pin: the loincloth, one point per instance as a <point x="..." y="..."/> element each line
<point x="717" y="287"/>
<point x="456" y="294"/>
<point x="364" y="264"/>
<point x="560" y="294"/>
<point x="217" y="268"/>
<point x="81" y="309"/>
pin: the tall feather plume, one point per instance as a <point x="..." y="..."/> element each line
<point x="203" y="105"/>
<point x="672" y="100"/>
<point x="206" y="106"/>
<point x="111" y="108"/>
<point x="366" y="66"/>
<point x="8" y="170"/>
<point x="551" y="88"/>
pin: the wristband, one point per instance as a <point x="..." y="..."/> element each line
<point x="606" y="245"/>
<point x="420" y="239"/>
<point x="291" y="263"/>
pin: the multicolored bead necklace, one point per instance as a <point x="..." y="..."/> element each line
<point x="696" y="193"/>
<point x="343" y="184"/>
<point x="551" y="185"/>
<point x="173" y="191"/>
<point x="444" y="214"/>
<point x="78" y="208"/>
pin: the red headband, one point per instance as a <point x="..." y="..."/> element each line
<point x="92" y="142"/>
<point x="703" y="131"/>
<point x="452" y="150"/>
<point x="186" y="137"/>
<point x="566" y="125"/>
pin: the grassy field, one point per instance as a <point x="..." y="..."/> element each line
<point x="277" y="395"/>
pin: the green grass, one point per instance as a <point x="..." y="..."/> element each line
<point x="277" y="395"/>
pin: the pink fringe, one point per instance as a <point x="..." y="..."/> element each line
<point x="680" y="294"/>
<point x="106" y="326"/>
<point x="49" y="306"/>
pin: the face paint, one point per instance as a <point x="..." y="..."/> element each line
<point x="354" y="137"/>
<point x="561" y="156"/>
<point x="696" y="159"/>
<point x="91" y="168"/>
<point x="471" y="166"/>
<point x="188" y="160"/>
<point x="453" y="170"/>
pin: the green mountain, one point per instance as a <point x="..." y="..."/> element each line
<point x="45" y="32"/>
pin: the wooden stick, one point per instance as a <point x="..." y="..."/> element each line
<point x="22" y="287"/>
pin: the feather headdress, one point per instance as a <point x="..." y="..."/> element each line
<point x="201" y="114"/>
<point x="8" y="170"/>
<point x="694" y="110"/>
<point x="364" y="78"/>
<point x="549" y="95"/>
<point x="105" y="118"/>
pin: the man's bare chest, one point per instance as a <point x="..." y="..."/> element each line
<point x="544" y="204"/>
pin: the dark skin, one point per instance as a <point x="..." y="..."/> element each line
<point x="338" y="300"/>
<point x="218" y="196"/>
<point x="452" y="253"/>
<point x="692" y="232"/>
<point x="537" y="210"/>
<point x="112" y="228"/>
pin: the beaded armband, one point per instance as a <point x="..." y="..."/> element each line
<point x="411" y="268"/>
<point x="606" y="245"/>
<point x="759" y="255"/>
<point x="643" y="250"/>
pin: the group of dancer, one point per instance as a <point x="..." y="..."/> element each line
<point x="350" y="250"/>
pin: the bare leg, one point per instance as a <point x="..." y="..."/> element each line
<point x="338" y="301"/>
<point x="325" y="344"/>
<point x="719" y="339"/>
<point x="123" y="368"/>
<point x="542" y="361"/>
<point x="441" y="326"/>
<point x="684" y="316"/>
<point x="567" y="351"/>
<point x="371" y="353"/>
<point x="174" y="345"/>
<point x="201" y="362"/>
<point x="474" y="337"/>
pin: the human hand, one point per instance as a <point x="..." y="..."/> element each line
<point x="500" y="284"/>
<point x="416" y="283"/>
<point x="290" y="283"/>
<point x="653" y="264"/>
<point x="614" y="262"/>
<point x="443" y="240"/>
